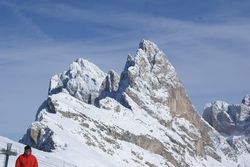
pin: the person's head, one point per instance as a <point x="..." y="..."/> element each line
<point x="27" y="150"/>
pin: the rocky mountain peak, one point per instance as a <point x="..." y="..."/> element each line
<point x="216" y="114"/>
<point x="150" y="48"/>
<point x="150" y="64"/>
<point x="141" y="118"/>
<point x="81" y="67"/>
<point x="228" y="119"/>
<point x="82" y="80"/>
<point x="246" y="100"/>
<point x="232" y="121"/>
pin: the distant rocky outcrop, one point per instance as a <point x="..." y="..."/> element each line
<point x="232" y="121"/>
<point x="229" y="119"/>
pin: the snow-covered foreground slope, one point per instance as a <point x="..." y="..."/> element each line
<point x="141" y="118"/>
<point x="45" y="159"/>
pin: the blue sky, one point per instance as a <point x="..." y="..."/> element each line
<point x="208" y="42"/>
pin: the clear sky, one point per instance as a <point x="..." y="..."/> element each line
<point x="208" y="42"/>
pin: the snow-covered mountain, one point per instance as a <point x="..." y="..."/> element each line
<point x="142" y="117"/>
<point x="231" y="121"/>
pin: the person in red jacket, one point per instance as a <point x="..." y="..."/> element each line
<point x="26" y="159"/>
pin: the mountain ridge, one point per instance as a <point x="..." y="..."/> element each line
<point x="145" y="112"/>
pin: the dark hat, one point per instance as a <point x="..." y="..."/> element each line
<point x="27" y="147"/>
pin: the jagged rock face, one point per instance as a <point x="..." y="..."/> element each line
<point x="39" y="136"/>
<point x="232" y="121"/>
<point x="246" y="100"/>
<point x="228" y="118"/>
<point x="141" y="118"/>
<point x="109" y="86"/>
<point x="217" y="115"/>
<point x="111" y="82"/>
<point x="152" y="76"/>
<point x="82" y="80"/>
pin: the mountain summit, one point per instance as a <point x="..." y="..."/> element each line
<point x="142" y="117"/>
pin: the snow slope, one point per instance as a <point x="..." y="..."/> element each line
<point x="45" y="159"/>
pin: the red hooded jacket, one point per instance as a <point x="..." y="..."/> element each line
<point x="26" y="161"/>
